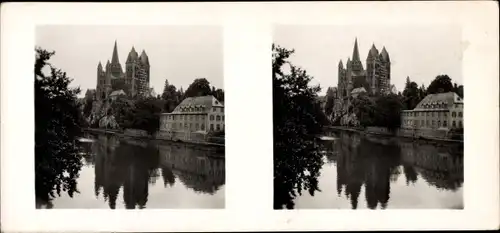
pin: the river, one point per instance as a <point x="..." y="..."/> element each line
<point x="124" y="173"/>
<point x="373" y="172"/>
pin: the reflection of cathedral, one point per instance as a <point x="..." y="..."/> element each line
<point x="195" y="168"/>
<point x="123" y="166"/>
<point x="375" y="165"/>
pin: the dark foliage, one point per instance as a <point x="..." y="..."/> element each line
<point x="296" y="113"/>
<point x="58" y="121"/>
<point x="441" y="84"/>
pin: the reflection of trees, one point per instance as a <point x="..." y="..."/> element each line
<point x="198" y="169"/>
<point x="121" y="164"/>
<point x="376" y="163"/>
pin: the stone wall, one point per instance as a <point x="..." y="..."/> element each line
<point x="411" y="133"/>
<point x="136" y="133"/>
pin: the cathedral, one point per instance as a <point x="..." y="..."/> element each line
<point x="133" y="82"/>
<point x="375" y="79"/>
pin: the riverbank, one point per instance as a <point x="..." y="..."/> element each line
<point x="367" y="132"/>
<point x="122" y="134"/>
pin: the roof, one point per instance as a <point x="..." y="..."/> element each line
<point x="132" y="55"/>
<point x="358" y="90"/>
<point x="198" y="104"/>
<point x="144" y="58"/>
<point x="118" y="92"/>
<point x="437" y="100"/>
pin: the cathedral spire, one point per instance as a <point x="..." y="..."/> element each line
<point x="114" y="59"/>
<point x="355" y="52"/>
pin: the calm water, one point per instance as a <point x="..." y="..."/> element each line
<point x="126" y="173"/>
<point x="377" y="173"/>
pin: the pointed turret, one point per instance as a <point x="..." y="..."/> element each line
<point x="341" y="65"/>
<point x="99" y="66"/>
<point x="373" y="53"/>
<point x="107" y="64"/>
<point x="385" y="55"/>
<point x="355" y="52"/>
<point x="132" y="55"/>
<point x="144" y="58"/>
<point x="114" y="59"/>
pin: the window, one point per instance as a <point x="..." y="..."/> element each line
<point x="460" y="124"/>
<point x="439" y="114"/>
<point x="220" y="110"/>
<point x="218" y="118"/>
<point x="439" y="123"/>
<point x="427" y="123"/>
<point x="197" y="126"/>
<point x="432" y="114"/>
<point x="422" y="123"/>
<point x="197" y="117"/>
<point x="213" y="109"/>
<point x="433" y="123"/>
<point x="211" y="117"/>
<point x="453" y="124"/>
<point x="218" y="127"/>
<point x="180" y="116"/>
<point x="459" y="114"/>
<point x="445" y="114"/>
<point x="203" y="117"/>
<point x="180" y="125"/>
<point x="185" y="125"/>
<point x="428" y="113"/>
<point x="444" y="124"/>
<point x="211" y="127"/>
<point x="222" y="118"/>
<point x="190" y="125"/>
<point x="191" y="117"/>
<point x="453" y="114"/>
<point x="202" y="126"/>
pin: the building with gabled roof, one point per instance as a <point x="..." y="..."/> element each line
<point x="435" y="111"/>
<point x="195" y="114"/>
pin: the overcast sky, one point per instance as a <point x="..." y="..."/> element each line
<point x="177" y="53"/>
<point x="418" y="51"/>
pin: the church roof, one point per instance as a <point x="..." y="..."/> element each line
<point x="385" y="55"/>
<point x="355" y="52"/>
<point x="132" y="55"/>
<point x="117" y="92"/>
<point x="115" y="59"/>
<point x="358" y="90"/>
<point x="439" y="100"/>
<point x="144" y="58"/>
<point x="198" y="104"/>
<point x="341" y="65"/>
<point x="373" y="53"/>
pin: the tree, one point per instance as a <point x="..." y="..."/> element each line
<point x="411" y="95"/>
<point x="218" y="94"/>
<point x="145" y="114"/>
<point x="330" y="101"/>
<point x="297" y="121"/>
<point x="388" y="108"/>
<point x="199" y="87"/>
<point x="88" y="100"/>
<point x="441" y="84"/>
<point x="58" y="121"/>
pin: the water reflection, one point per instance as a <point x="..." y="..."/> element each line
<point x="126" y="170"/>
<point x="373" y="166"/>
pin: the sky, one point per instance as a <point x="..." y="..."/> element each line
<point x="421" y="52"/>
<point x="177" y="53"/>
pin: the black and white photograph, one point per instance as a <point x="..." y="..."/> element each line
<point x="129" y="117"/>
<point x="368" y="117"/>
